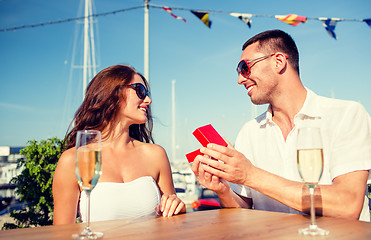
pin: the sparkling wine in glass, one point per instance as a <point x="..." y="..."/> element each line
<point x="88" y="171"/>
<point x="310" y="166"/>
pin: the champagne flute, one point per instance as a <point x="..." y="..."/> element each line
<point x="88" y="171"/>
<point x="310" y="166"/>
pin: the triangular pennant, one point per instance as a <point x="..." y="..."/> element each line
<point x="203" y="16"/>
<point x="291" y="19"/>
<point x="169" y="10"/>
<point x="330" y="24"/>
<point x="368" y="21"/>
<point x="245" y="17"/>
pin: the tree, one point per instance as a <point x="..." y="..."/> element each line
<point x="34" y="184"/>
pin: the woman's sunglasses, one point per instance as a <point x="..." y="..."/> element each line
<point x="140" y="90"/>
<point x="244" y="68"/>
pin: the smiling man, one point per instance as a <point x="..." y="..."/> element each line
<point x="261" y="171"/>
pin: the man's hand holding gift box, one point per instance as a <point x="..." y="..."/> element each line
<point x="205" y="135"/>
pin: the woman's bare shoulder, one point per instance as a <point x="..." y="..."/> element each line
<point x="65" y="175"/>
<point x="153" y="151"/>
<point x="67" y="157"/>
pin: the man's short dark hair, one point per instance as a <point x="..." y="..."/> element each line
<point x="276" y="41"/>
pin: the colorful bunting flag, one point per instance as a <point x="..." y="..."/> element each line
<point x="245" y="17"/>
<point x="204" y="17"/>
<point x="368" y="21"/>
<point x="291" y="19"/>
<point x="175" y="16"/>
<point x="330" y="24"/>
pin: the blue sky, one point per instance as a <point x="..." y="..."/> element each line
<point x="38" y="98"/>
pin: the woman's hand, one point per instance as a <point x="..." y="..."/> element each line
<point x="171" y="205"/>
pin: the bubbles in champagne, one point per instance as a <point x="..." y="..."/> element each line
<point x="88" y="168"/>
<point x="310" y="165"/>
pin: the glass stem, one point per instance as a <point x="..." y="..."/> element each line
<point x="88" y="210"/>
<point x="312" y="209"/>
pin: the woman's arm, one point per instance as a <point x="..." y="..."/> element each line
<point x="170" y="203"/>
<point x="66" y="191"/>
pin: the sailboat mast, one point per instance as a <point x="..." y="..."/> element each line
<point x="146" y="40"/>
<point x="91" y="21"/>
<point x="86" y="48"/>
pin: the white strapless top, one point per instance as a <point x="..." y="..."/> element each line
<point x="110" y="200"/>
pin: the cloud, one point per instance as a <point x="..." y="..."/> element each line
<point x="15" y="107"/>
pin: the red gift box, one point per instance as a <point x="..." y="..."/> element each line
<point x="192" y="155"/>
<point x="205" y="135"/>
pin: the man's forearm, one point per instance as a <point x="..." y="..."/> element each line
<point x="344" y="198"/>
<point x="231" y="200"/>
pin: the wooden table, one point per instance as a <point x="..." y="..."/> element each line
<point x="214" y="224"/>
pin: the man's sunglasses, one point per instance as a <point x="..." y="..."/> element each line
<point x="244" y="68"/>
<point x="140" y="89"/>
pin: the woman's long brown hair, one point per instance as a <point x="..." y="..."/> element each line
<point x="102" y="102"/>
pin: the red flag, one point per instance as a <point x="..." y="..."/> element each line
<point x="292" y="19"/>
<point x="169" y="11"/>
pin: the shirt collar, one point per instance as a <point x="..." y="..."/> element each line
<point x="309" y="108"/>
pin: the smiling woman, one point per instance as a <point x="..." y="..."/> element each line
<point x="117" y="103"/>
<point x="104" y="97"/>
